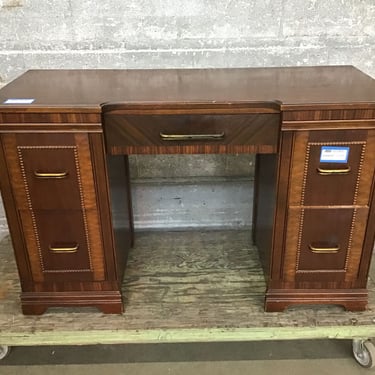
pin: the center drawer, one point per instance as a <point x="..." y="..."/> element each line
<point x="191" y="133"/>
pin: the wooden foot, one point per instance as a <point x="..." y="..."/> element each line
<point x="111" y="308"/>
<point x="109" y="302"/>
<point x="34" y="309"/>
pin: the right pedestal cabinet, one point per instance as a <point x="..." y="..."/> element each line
<point x="326" y="228"/>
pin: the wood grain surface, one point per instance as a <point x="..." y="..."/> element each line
<point x="138" y="134"/>
<point x="324" y="87"/>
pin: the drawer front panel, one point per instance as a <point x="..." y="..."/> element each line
<point x="316" y="181"/>
<point x="324" y="243"/>
<point x="324" y="239"/>
<point x="156" y="133"/>
<point x="50" y="171"/>
<point x="63" y="244"/>
<point x="333" y="183"/>
<point x="51" y="176"/>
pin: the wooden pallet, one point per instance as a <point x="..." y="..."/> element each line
<point x="180" y="287"/>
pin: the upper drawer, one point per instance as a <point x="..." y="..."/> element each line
<point x="50" y="171"/>
<point x="191" y="133"/>
<point x="333" y="168"/>
<point x="51" y="176"/>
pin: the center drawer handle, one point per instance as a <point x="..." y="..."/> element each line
<point x="64" y="249"/>
<point x="63" y="174"/>
<point x="324" y="250"/>
<point x="191" y="137"/>
<point x="326" y="172"/>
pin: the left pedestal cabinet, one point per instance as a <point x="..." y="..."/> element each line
<point x="60" y="215"/>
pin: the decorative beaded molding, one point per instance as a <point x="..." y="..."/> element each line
<point x="28" y="198"/>
<point x="322" y="271"/>
<point x="359" y="173"/>
<point x="300" y="238"/>
<point x="354" y="217"/>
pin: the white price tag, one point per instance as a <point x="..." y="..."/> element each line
<point x="19" y="101"/>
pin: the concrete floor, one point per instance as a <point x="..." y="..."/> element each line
<point x="283" y="357"/>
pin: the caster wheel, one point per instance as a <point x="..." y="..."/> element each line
<point x="4" y="351"/>
<point x="364" y="353"/>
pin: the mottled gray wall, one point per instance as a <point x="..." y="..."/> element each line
<point x="180" y="33"/>
<point x="184" y="34"/>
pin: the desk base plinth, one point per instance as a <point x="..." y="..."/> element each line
<point x="38" y="303"/>
<point x="277" y="300"/>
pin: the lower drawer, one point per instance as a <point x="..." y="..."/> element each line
<point x="324" y="244"/>
<point x="59" y="246"/>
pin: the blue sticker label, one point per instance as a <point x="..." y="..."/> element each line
<point x="334" y="154"/>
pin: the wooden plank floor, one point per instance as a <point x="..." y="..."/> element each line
<point x="180" y="287"/>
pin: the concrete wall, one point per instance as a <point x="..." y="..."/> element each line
<point x="180" y="33"/>
<point x="185" y="34"/>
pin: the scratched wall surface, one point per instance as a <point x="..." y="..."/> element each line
<point x="184" y="34"/>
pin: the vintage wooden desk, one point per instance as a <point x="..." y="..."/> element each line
<point x="65" y="136"/>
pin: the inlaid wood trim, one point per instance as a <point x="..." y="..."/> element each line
<point x="292" y="242"/>
<point x="193" y="149"/>
<point x="365" y="180"/>
<point x="356" y="240"/>
<point x="50" y="128"/>
<point x="299" y="163"/>
<point x="32" y="244"/>
<point x="362" y="107"/>
<point x="82" y="201"/>
<point x="299" y="241"/>
<point x="340" y="114"/>
<point x="37" y="118"/>
<point x="280" y="221"/>
<point x="350" y="242"/>
<point x="89" y="204"/>
<point x="329" y="125"/>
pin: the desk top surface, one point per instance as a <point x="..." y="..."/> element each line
<point x="292" y="87"/>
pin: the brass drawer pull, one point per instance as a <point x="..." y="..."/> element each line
<point x="324" y="171"/>
<point x="324" y="250"/>
<point x="64" y="249"/>
<point x="38" y="174"/>
<point x="191" y="137"/>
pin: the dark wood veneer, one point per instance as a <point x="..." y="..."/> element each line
<point x="341" y="115"/>
<point x="86" y="122"/>
<point x="128" y="134"/>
